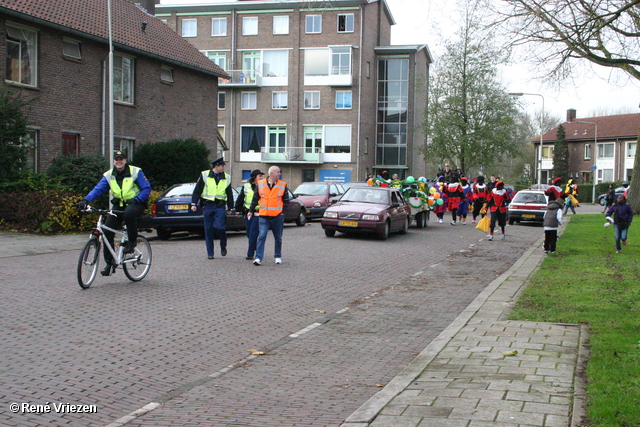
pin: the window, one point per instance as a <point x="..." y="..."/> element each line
<point x="312" y="139"/>
<point x="313" y="24"/>
<point x="392" y="120"/>
<point x="251" y="63"/>
<point x="123" y="79"/>
<point x="21" y="56"/>
<point x="277" y="139"/>
<point x="70" y="144"/>
<point x="343" y="100"/>
<point x="605" y="151"/>
<point x="222" y="100"/>
<point x="220" y="58"/>
<point x="253" y="138"/>
<point x="334" y="61"/>
<point x="250" y="26"/>
<point x="547" y="152"/>
<point x="312" y="100"/>
<point x="605" y="175"/>
<point x="631" y="149"/>
<point x="280" y="25"/>
<point x="71" y="49"/>
<point x="30" y="142"/>
<point x="166" y="75"/>
<point x="126" y="146"/>
<point x="587" y="152"/>
<point x="340" y="61"/>
<point x="279" y="100"/>
<point x="345" y="23"/>
<point x="218" y="27"/>
<point x="337" y="139"/>
<point x="189" y="27"/>
<point x="275" y="63"/>
<point x="249" y="101"/>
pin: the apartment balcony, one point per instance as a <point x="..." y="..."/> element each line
<point x="300" y="155"/>
<point x="241" y="78"/>
<point x="330" y="80"/>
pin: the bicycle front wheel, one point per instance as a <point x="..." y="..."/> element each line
<point x="137" y="264"/>
<point x="88" y="263"/>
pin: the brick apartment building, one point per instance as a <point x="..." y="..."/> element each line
<point x="605" y="145"/>
<point x="56" y="52"/>
<point x="315" y="87"/>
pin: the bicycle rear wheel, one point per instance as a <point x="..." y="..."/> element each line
<point x="137" y="264"/>
<point x="88" y="263"/>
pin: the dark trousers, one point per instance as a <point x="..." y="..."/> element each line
<point x="477" y="205"/>
<point x="500" y="218"/>
<point x="215" y="224"/>
<point x="550" y="239"/>
<point x="252" y="233"/>
<point x="130" y="217"/>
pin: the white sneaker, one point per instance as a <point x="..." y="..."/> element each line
<point x="453" y="223"/>
<point x="278" y="260"/>
<point x="502" y="236"/>
<point x="257" y="261"/>
<point x="490" y="238"/>
<point x="439" y="220"/>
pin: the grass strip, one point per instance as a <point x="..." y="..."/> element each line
<point x="589" y="283"/>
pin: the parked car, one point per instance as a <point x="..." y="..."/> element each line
<point x="317" y="196"/>
<point x="377" y="210"/>
<point x="171" y="212"/>
<point x="619" y="192"/>
<point x="527" y="205"/>
<point x="539" y="187"/>
<point x="348" y="185"/>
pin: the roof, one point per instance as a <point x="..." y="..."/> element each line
<point x="622" y="126"/>
<point x="408" y="48"/>
<point x="89" y="18"/>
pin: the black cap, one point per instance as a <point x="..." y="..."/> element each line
<point x="256" y="172"/>
<point x="119" y="154"/>
<point x="217" y="162"/>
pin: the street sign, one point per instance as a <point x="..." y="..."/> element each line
<point x="594" y="167"/>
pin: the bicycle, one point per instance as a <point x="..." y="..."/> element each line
<point x="136" y="265"/>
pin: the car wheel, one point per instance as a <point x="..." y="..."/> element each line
<point x="602" y="202"/>
<point x="329" y="233"/>
<point x="163" y="234"/>
<point x="406" y="226"/>
<point x="302" y="218"/>
<point x="420" y="219"/>
<point x="385" y="232"/>
<point x="512" y="221"/>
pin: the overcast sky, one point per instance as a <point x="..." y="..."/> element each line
<point x="599" y="92"/>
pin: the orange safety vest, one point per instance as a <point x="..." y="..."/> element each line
<point x="271" y="203"/>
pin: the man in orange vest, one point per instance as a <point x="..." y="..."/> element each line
<point x="272" y="198"/>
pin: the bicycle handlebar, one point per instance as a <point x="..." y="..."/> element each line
<point x="102" y="211"/>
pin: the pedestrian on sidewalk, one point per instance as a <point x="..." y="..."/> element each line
<point x="551" y="221"/>
<point x="243" y="203"/>
<point x="271" y="200"/>
<point x="609" y="198"/>
<point x="497" y="202"/>
<point x="622" y="218"/>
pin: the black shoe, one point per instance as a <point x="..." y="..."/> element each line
<point x="249" y="257"/>
<point x="129" y="247"/>
<point x="108" y="270"/>
<point x="223" y="251"/>
<point x="210" y="257"/>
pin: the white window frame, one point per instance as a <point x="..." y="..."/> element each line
<point x="249" y="25"/>
<point x="311" y="22"/>
<point x="219" y="30"/>
<point x="222" y="95"/>
<point x="632" y="149"/>
<point x="166" y="74"/>
<point x="30" y="143"/>
<point x="249" y="101"/>
<point x="189" y="27"/>
<point x="281" y="28"/>
<point x="549" y="150"/>
<point x="602" y="150"/>
<point x="343" y="93"/>
<point x="349" y="21"/>
<point x="119" y="75"/>
<point x="71" y="48"/>
<point x="279" y="100"/>
<point x="22" y="44"/>
<point x="311" y="96"/>
<point x="587" y="151"/>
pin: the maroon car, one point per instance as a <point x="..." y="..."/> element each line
<point x="376" y="210"/>
<point x="317" y="196"/>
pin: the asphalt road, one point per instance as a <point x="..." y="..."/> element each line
<point x="338" y="319"/>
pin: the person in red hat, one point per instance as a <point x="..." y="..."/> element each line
<point x="497" y="202"/>
<point x="555" y="191"/>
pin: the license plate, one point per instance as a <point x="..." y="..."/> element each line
<point x="178" y="207"/>
<point x="528" y="215"/>
<point x="348" y="223"/>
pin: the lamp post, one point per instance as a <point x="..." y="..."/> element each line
<point x="539" y="153"/>
<point x="111" y="143"/>
<point x="594" y="152"/>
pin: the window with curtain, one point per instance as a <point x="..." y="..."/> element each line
<point x="280" y="25"/>
<point x="279" y="100"/>
<point x="587" y="152"/>
<point x="631" y="149"/>
<point x="275" y="63"/>
<point x="343" y="100"/>
<point x="340" y="61"/>
<point x="21" y="56"/>
<point x="249" y="101"/>
<point x="253" y="138"/>
<point x="123" y="79"/>
<point x="312" y="139"/>
<point x="605" y="151"/>
<point x="345" y="23"/>
<point x="316" y="62"/>
<point x="337" y="138"/>
<point x="220" y="58"/>
<point x="277" y="139"/>
<point x="312" y="100"/>
<point x="313" y="24"/>
<point x="189" y="27"/>
<point x="218" y="27"/>
<point x="250" y="26"/>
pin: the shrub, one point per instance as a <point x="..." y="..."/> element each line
<point x="32" y="182"/>
<point x="171" y="162"/>
<point x="79" y="173"/>
<point x="64" y="216"/>
<point x="14" y="110"/>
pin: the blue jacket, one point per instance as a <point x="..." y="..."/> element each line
<point x="623" y="213"/>
<point x="103" y="187"/>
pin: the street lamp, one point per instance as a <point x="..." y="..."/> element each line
<point x="539" y="153"/>
<point x="594" y="168"/>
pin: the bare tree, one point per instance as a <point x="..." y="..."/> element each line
<point x="564" y="32"/>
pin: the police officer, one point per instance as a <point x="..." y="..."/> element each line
<point x="130" y="190"/>
<point x="243" y="203"/>
<point x="213" y="191"/>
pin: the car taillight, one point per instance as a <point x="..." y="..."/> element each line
<point x="154" y="210"/>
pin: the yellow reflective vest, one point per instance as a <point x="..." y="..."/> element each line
<point x="129" y="188"/>
<point x="215" y="191"/>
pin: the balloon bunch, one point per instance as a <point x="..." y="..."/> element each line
<point x="434" y="198"/>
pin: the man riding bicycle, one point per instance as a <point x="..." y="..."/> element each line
<point x="130" y="190"/>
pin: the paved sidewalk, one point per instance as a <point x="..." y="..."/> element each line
<point x="464" y="379"/>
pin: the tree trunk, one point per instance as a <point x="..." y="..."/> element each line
<point x="633" y="194"/>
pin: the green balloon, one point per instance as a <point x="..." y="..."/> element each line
<point x="410" y="179"/>
<point x="439" y="201"/>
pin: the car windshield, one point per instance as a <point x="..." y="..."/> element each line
<point x="182" y="190"/>
<point x="529" y="198"/>
<point x="311" y="190"/>
<point x="366" y="195"/>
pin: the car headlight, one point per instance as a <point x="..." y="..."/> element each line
<point x="370" y="217"/>
<point x="331" y="214"/>
<point x="317" y="204"/>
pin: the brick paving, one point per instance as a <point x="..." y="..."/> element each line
<point x="181" y="336"/>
